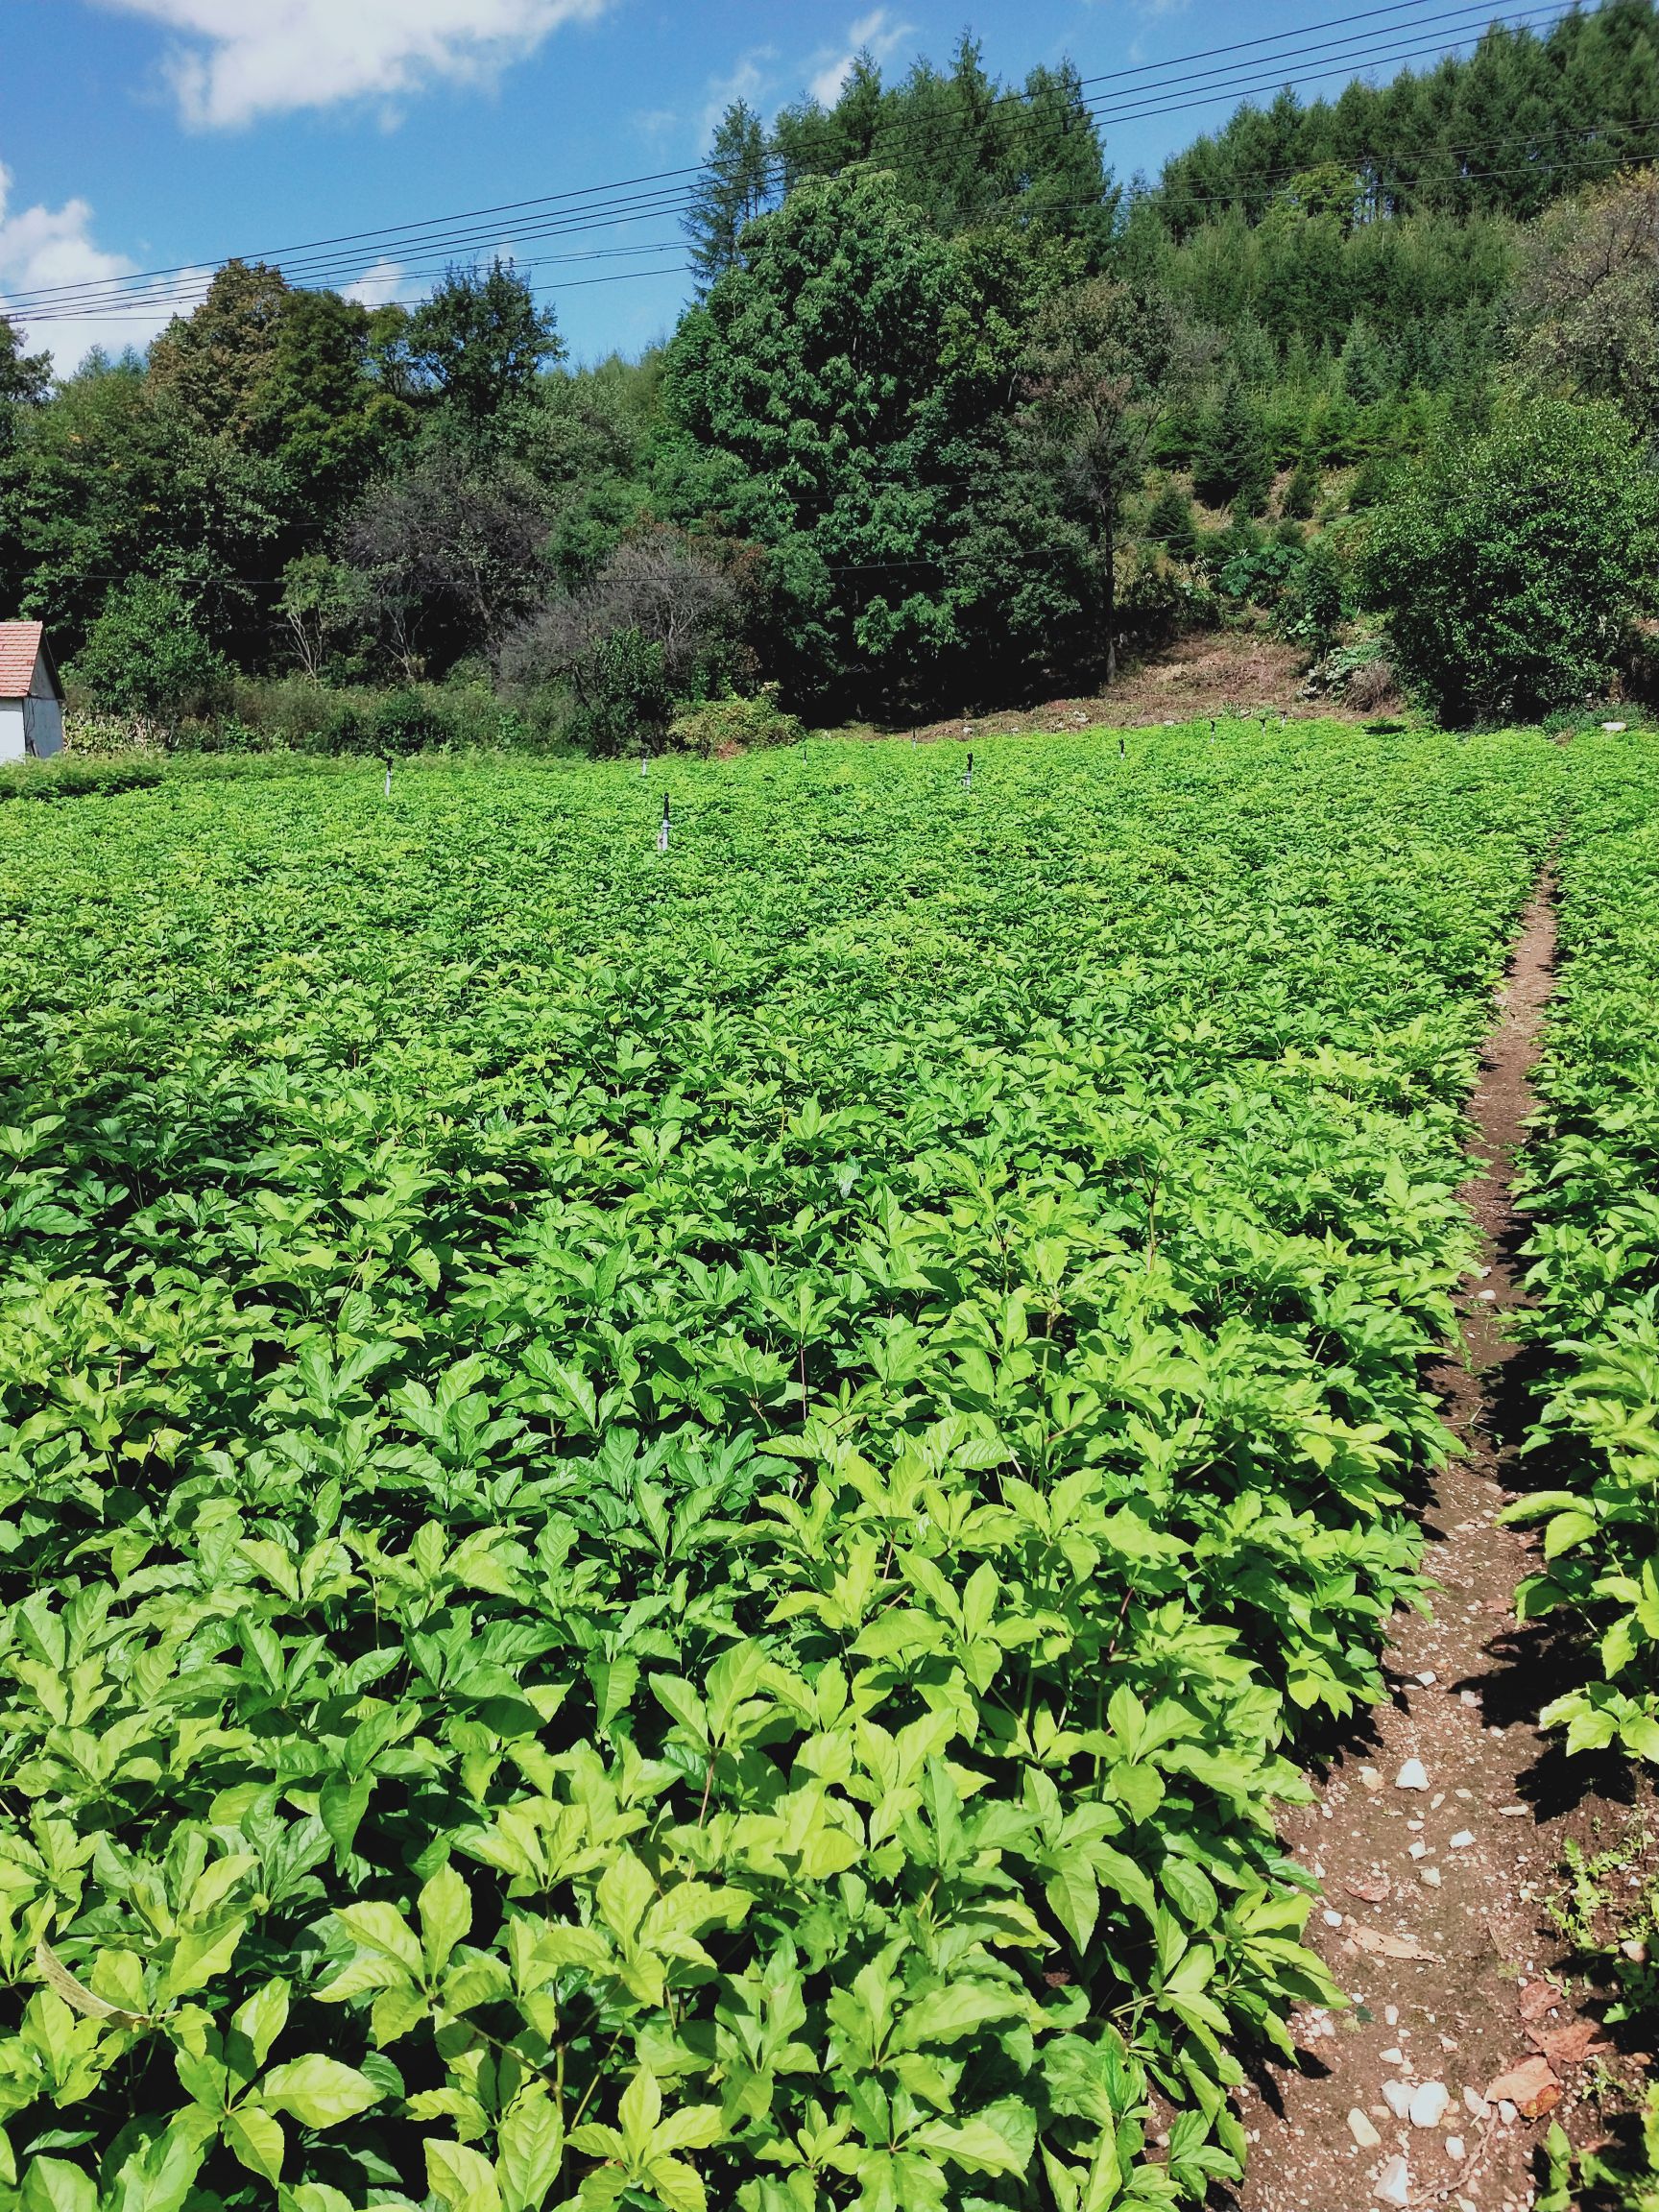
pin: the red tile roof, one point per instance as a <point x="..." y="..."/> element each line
<point x="19" y="650"/>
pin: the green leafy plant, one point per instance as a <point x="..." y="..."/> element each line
<point x="668" y="1518"/>
<point x="1510" y="568"/>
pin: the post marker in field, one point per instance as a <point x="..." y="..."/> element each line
<point x="968" y="775"/>
<point x="1122" y="750"/>
<point x="662" y="827"/>
<point x="644" y="760"/>
<point x="387" y="779"/>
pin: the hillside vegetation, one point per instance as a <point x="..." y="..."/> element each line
<point x="956" y="418"/>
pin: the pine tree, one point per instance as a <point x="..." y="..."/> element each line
<point x="734" y="188"/>
<point x="1301" y="492"/>
<point x="1232" y="464"/>
<point x="1170" y="522"/>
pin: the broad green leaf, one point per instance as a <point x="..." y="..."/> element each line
<point x="461" y="2179"/>
<point x="318" y="2091"/>
<point x="445" y="1916"/>
<point x="256" y="2137"/>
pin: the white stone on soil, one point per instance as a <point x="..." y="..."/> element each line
<point x="1393" y="2185"/>
<point x="1363" y="2131"/>
<point x="1429" y="2102"/>
<point x="1413" y="1775"/>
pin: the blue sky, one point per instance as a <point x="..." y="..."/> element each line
<point x="149" y="134"/>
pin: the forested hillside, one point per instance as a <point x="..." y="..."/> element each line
<point x="957" y="418"/>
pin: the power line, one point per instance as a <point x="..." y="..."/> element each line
<point x="585" y="209"/>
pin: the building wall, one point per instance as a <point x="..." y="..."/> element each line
<point x="14" y="744"/>
<point x="43" y="724"/>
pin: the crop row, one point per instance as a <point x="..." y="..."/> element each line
<point x="665" y="1519"/>
<point x="1592" y="1190"/>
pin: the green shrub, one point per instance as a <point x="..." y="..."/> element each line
<point x="405" y="722"/>
<point x="1374" y="483"/>
<point x="718" y="725"/>
<point x="1316" y="597"/>
<point x="64" y="777"/>
<point x="1170" y="522"/>
<point x="90" y="736"/>
<point x="145" y="655"/>
<point x="623" y="697"/>
<point x="1509" y="574"/>
<point x="1301" y="493"/>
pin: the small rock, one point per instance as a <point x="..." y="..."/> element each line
<point x="1429" y="2103"/>
<point x="1474" y="2104"/>
<point x="1393" y="2057"/>
<point x="1419" y="1850"/>
<point x="1397" y="2096"/>
<point x="1505" y="2111"/>
<point x="1369" y="1778"/>
<point x="1390" y="2016"/>
<point x="1363" y="2131"/>
<point x="1469" y="1697"/>
<point x="1393" y="2185"/>
<point x="1510" y="1812"/>
<point x="1462" y="1840"/>
<point x="1413" y="1775"/>
<point x="1429" y="1875"/>
<point x="1332" y="1920"/>
<point x="1427" y="1678"/>
<point x="1455" y="2149"/>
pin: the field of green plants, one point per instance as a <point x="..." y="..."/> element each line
<point x="667" y="1519"/>
<point x="1594" y="1192"/>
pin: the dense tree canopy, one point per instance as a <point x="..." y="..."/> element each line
<point x="1511" y="570"/>
<point x="949" y="419"/>
<point x="843" y="397"/>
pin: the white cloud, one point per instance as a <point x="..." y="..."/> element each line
<point x="876" y="32"/>
<point x="44" y="247"/>
<point x="378" y="284"/>
<point x="750" y="80"/>
<point x="238" y="59"/>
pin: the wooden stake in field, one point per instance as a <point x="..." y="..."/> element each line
<point x="1122" y="750"/>
<point x="644" y="760"/>
<point x="662" y="827"/>
<point x="387" y="779"/>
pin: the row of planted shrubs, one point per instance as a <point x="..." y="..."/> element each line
<point x="66" y="777"/>
<point x="295" y="715"/>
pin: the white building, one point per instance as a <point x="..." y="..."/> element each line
<point x="31" y="696"/>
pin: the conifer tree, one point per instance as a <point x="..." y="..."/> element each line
<point x="734" y="188"/>
<point x="1170" y="522"/>
<point x="1232" y="465"/>
<point x="1301" y="492"/>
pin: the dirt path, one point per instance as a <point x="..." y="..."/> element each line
<point x="1432" y="1919"/>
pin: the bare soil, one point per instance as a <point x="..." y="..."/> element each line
<point x="1434" y="1916"/>
<point x="1225" y="670"/>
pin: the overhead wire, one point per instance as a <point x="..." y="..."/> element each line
<point x="563" y="214"/>
<point x="396" y="237"/>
